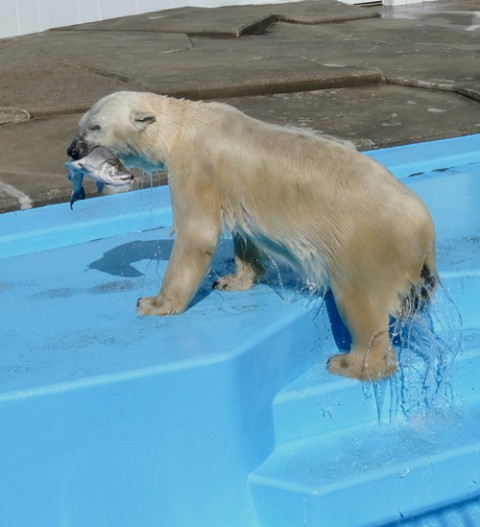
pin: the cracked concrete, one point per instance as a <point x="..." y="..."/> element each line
<point x="371" y="76"/>
<point x="232" y="21"/>
<point x="399" y="112"/>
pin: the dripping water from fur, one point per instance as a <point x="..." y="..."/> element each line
<point x="284" y="281"/>
<point x="427" y="340"/>
<point x="289" y="285"/>
<point x="146" y="182"/>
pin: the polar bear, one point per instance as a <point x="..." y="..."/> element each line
<point x="336" y="215"/>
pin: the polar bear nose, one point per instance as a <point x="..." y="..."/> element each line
<point x="72" y="150"/>
<point x="77" y="149"/>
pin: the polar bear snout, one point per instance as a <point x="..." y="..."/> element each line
<point x="79" y="148"/>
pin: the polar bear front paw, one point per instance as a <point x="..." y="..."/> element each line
<point x="153" y="305"/>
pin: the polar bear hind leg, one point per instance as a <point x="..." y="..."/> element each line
<point x="366" y="307"/>
<point x="248" y="266"/>
<point x="372" y="356"/>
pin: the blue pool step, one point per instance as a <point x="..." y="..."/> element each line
<point x="371" y="474"/>
<point x="373" y="465"/>
<point x="314" y="404"/>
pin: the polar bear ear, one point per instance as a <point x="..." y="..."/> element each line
<point x="143" y="119"/>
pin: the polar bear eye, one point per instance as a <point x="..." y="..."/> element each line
<point x="95" y="128"/>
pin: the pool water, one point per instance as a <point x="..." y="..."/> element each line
<point x="225" y="416"/>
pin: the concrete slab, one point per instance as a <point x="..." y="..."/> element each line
<point x="63" y="70"/>
<point x="385" y="115"/>
<point x="438" y="58"/>
<point x="57" y="73"/>
<point x="232" y="21"/>
<point x="200" y="68"/>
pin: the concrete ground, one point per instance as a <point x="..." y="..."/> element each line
<point x="374" y="76"/>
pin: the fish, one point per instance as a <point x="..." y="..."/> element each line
<point x="101" y="166"/>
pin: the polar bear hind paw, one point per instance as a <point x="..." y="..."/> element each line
<point x="234" y="282"/>
<point x="363" y="366"/>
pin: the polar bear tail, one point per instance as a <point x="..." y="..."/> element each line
<point x="421" y="293"/>
<point x="428" y="282"/>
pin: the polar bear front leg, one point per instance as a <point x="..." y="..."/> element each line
<point x="372" y="356"/>
<point x="189" y="263"/>
<point x="248" y="266"/>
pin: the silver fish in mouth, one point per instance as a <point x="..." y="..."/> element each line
<point x="100" y="165"/>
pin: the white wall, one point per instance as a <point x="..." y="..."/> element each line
<point x="19" y="17"/>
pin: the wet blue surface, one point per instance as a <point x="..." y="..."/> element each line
<point x="226" y="416"/>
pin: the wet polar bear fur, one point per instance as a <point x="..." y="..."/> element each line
<point x="340" y="218"/>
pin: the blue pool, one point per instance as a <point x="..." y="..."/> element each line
<point x="225" y="416"/>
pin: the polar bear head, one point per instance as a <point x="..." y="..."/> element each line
<point x="126" y="124"/>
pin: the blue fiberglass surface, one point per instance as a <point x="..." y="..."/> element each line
<point x="221" y="416"/>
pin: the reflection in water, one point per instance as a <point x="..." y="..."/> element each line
<point x="119" y="260"/>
